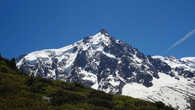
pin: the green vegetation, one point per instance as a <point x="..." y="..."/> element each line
<point x="19" y="91"/>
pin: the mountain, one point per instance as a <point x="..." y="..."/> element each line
<point x="20" y="91"/>
<point x="110" y="65"/>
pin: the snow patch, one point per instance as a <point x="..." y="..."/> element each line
<point x="113" y="81"/>
<point x="109" y="55"/>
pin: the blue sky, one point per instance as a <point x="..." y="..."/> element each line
<point x="152" y="26"/>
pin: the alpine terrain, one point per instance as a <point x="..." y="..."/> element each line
<point x="110" y="65"/>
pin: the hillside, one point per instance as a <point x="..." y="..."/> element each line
<point x="22" y="92"/>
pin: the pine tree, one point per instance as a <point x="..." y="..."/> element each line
<point x="13" y="63"/>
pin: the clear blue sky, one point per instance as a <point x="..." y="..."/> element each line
<point x="152" y="26"/>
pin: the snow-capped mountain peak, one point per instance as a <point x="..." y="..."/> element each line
<point x="101" y="37"/>
<point x="106" y="64"/>
<point x="103" y="31"/>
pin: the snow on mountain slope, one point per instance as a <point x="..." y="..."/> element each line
<point x="106" y="64"/>
<point x="185" y="63"/>
<point x="167" y="89"/>
<point x="190" y="61"/>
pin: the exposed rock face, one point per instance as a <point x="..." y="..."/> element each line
<point x="106" y="64"/>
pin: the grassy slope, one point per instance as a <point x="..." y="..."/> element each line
<point x="21" y="92"/>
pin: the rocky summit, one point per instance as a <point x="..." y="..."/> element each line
<point x="110" y="65"/>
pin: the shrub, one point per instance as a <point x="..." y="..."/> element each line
<point x="65" y="97"/>
<point x="4" y="69"/>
